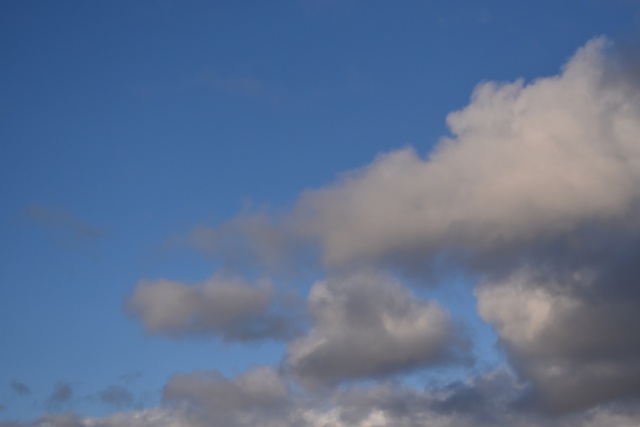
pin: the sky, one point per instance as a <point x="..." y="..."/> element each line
<point x="319" y="213"/>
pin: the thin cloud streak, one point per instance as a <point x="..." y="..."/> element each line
<point x="64" y="221"/>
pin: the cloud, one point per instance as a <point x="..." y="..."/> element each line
<point x="570" y="338"/>
<point x="524" y="162"/>
<point x="61" y="395"/>
<point x="535" y="194"/>
<point x="368" y="325"/>
<point x="117" y="396"/>
<point x="248" y="399"/>
<point x="252" y="238"/>
<point x="261" y="397"/>
<point x="63" y="221"/>
<point x="20" y="388"/>
<point x="156" y="417"/>
<point x="231" y="309"/>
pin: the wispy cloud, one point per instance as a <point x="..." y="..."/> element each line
<point x="63" y="221"/>
<point x="117" y="396"/>
<point x="20" y="388"/>
<point x="60" y="396"/>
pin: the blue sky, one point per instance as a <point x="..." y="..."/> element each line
<point x="130" y="129"/>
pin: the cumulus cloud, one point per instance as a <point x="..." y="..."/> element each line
<point x="368" y="325"/>
<point x="577" y="350"/>
<point x="524" y="161"/>
<point x="231" y="309"/>
<point x="536" y="193"/>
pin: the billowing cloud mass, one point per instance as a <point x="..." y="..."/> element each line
<point x="525" y="162"/>
<point x="368" y="325"/>
<point x="535" y="196"/>
<point x="231" y="309"/>
<point x="571" y="338"/>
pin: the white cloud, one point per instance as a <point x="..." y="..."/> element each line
<point x="524" y="161"/>
<point x="537" y="188"/>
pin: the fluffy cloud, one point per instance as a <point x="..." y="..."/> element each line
<point x="536" y="193"/>
<point x="247" y="399"/>
<point x="231" y="309"/>
<point x="573" y="342"/>
<point x="368" y="325"/>
<point x="524" y="161"/>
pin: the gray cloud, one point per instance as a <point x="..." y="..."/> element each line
<point x="64" y="221"/>
<point x="368" y="325"/>
<point x="536" y="193"/>
<point x="249" y="398"/>
<point x="231" y="309"/>
<point x="61" y="395"/>
<point x="20" y="388"/>
<point x="525" y="162"/>
<point x="261" y="397"/>
<point x="156" y="417"/>
<point x="577" y="350"/>
<point x="117" y="396"/>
